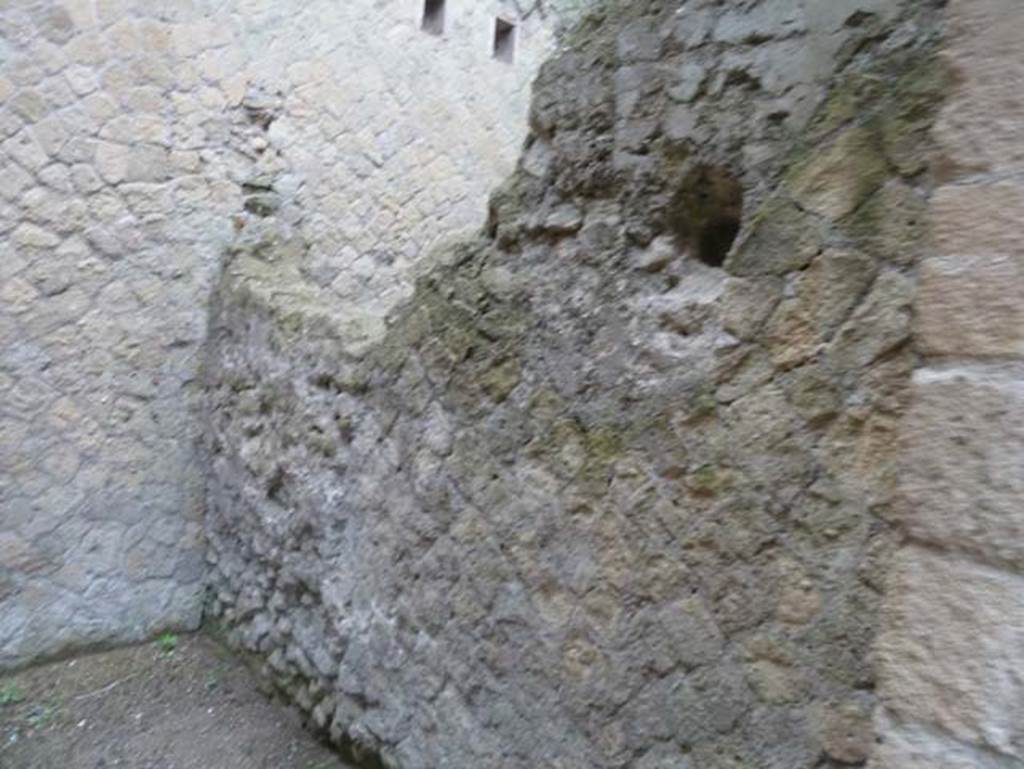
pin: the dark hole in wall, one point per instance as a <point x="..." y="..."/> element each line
<point x="706" y="214"/>
<point x="715" y="241"/>
<point x="433" y="17"/>
<point x="504" y="41"/>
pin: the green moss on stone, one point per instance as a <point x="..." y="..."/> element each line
<point x="499" y="381"/>
<point x="909" y="113"/>
<point x="780" y="238"/>
<point x="706" y="480"/>
<point x="836" y="180"/>
<point x="892" y="225"/>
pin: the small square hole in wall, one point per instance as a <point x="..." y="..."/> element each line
<point x="433" y="17"/>
<point x="504" y="40"/>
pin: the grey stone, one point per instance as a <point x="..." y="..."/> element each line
<point x="767" y="20"/>
<point x="690" y="81"/>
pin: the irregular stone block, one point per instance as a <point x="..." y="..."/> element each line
<point x="892" y="224"/>
<point x="834" y="182"/>
<point x="877" y="327"/>
<point x="846" y="732"/>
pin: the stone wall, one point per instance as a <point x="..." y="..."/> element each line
<point x="112" y="223"/>
<point x="134" y="137"/>
<point x="952" y="651"/>
<point x="612" y="488"/>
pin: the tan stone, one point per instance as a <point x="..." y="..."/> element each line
<point x="799" y="604"/>
<point x="774" y="683"/>
<point x="962" y="466"/>
<point x="971" y="306"/>
<point x="879" y="325"/>
<point x="747" y="302"/>
<point x="836" y="181"/>
<point x="846" y="732"/>
<point x="824" y="295"/>
<point x="978" y="218"/>
<point x="952" y="649"/>
<point x="791" y="335"/>
<point x="21" y="556"/>
<point x="982" y="127"/>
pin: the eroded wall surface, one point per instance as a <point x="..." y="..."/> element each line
<point x="134" y="137"/>
<point x="611" y="489"/>
<point x="952" y="651"/>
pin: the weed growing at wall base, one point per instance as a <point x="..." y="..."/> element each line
<point x="167" y="642"/>
<point x="10" y="694"/>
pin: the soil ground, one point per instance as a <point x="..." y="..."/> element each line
<point x="193" y="706"/>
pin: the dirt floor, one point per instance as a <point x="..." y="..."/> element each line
<point x="179" y="703"/>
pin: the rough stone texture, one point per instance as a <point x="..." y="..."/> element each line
<point x="132" y="136"/>
<point x="972" y="290"/>
<point x="600" y="494"/>
<point x="952" y="650"/>
<point x="963" y="462"/>
<point x="972" y="304"/>
<point x="982" y="130"/>
<point x="978" y="217"/>
<point x="953" y="630"/>
<point x="918" y="747"/>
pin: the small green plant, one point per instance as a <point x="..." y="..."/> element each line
<point x="167" y="642"/>
<point x="40" y="715"/>
<point x="11" y="694"/>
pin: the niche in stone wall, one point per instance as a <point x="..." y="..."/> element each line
<point x="504" y="41"/>
<point x="433" y="17"/>
<point x="706" y="213"/>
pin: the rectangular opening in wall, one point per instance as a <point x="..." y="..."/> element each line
<point x="504" y="40"/>
<point x="433" y="17"/>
